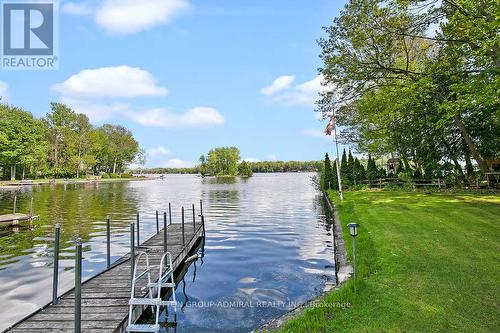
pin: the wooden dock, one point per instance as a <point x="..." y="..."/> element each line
<point x="13" y="219"/>
<point x="105" y="296"/>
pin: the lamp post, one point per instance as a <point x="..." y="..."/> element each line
<point x="353" y="230"/>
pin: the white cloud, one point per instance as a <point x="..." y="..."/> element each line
<point x="251" y="159"/>
<point x="121" y="81"/>
<point x="158" y="151"/>
<point x="271" y="158"/>
<point x="306" y="93"/>
<point x="200" y="116"/>
<point x="131" y="16"/>
<point x="73" y="8"/>
<point x="178" y="163"/>
<point x="280" y="84"/>
<point x="3" y="90"/>
<point x="97" y="112"/>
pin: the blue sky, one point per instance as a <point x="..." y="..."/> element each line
<point x="186" y="76"/>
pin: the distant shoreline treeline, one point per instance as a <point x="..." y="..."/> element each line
<point x="256" y="167"/>
<point x="63" y="144"/>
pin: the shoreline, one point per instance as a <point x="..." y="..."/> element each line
<point x="17" y="184"/>
<point x="343" y="274"/>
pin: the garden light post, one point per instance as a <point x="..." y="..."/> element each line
<point x="353" y="230"/>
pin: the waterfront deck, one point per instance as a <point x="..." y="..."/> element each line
<point x="13" y="219"/>
<point x="105" y="296"/>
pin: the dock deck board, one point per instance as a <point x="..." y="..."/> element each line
<point x="13" y="218"/>
<point x="105" y="296"/>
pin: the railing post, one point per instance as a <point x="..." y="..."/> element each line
<point x="194" y="221"/>
<point x="78" y="287"/>
<point x="169" y="213"/>
<point x="31" y="207"/>
<point x="164" y="231"/>
<point x="15" y="204"/>
<point x="137" y="221"/>
<point x="183" y="237"/>
<point x="201" y="207"/>
<point x="55" y="276"/>
<point x="132" y="251"/>
<point x="203" y="224"/>
<point x="108" y="242"/>
<point x="157" y="223"/>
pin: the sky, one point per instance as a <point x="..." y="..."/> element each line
<point x="186" y="76"/>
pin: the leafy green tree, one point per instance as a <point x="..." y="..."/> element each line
<point x="223" y="161"/>
<point x="203" y="167"/>
<point x="62" y="139"/>
<point x="117" y="148"/>
<point x="21" y="140"/>
<point x="84" y="157"/>
<point x="431" y="100"/>
<point x="244" y="169"/>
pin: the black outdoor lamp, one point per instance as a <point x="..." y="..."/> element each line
<point x="353" y="230"/>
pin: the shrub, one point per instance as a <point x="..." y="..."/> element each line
<point x="104" y="175"/>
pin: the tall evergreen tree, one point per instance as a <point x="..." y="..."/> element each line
<point x="371" y="170"/>
<point x="327" y="173"/>
<point x="350" y="168"/>
<point x="344" y="170"/>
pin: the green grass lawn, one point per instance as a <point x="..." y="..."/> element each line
<point x="426" y="263"/>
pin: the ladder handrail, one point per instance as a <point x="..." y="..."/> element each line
<point x="137" y="277"/>
<point x="169" y="274"/>
<point x="162" y="262"/>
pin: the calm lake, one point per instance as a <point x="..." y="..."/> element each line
<point x="268" y="246"/>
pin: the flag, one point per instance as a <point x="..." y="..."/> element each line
<point x="331" y="126"/>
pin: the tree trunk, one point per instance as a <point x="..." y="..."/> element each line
<point x="13" y="172"/>
<point x="55" y="155"/>
<point x="22" y="177"/>
<point x="114" y="165"/>
<point x="468" y="165"/>
<point x="470" y="144"/>
<point x="458" y="167"/>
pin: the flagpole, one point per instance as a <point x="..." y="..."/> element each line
<point x="341" y="196"/>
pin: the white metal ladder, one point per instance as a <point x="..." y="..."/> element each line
<point x="154" y="296"/>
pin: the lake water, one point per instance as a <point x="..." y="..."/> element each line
<point x="268" y="246"/>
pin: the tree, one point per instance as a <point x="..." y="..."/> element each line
<point x="244" y="169"/>
<point x="84" y="157"/>
<point x="427" y="99"/>
<point x="118" y="148"/>
<point x="328" y="175"/>
<point x="371" y="169"/>
<point x="223" y="161"/>
<point x="62" y="139"/>
<point x="21" y="140"/>
<point x="345" y="174"/>
<point x="203" y="167"/>
<point x="350" y="168"/>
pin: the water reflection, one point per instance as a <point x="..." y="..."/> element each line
<point x="267" y="243"/>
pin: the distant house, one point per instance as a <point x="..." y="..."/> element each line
<point x="392" y="165"/>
